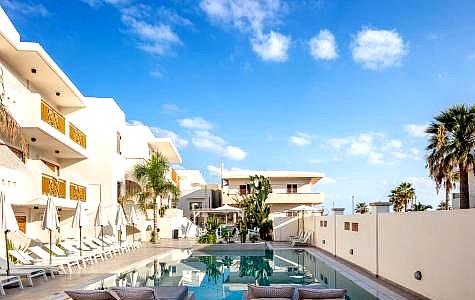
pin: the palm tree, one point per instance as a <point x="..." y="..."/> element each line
<point x="401" y="196"/>
<point x="361" y="208"/>
<point x="421" y="207"/>
<point x="443" y="205"/>
<point x="451" y="144"/>
<point x="152" y="175"/>
<point x="443" y="173"/>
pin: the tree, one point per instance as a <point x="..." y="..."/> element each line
<point x="443" y="173"/>
<point x="443" y="205"/>
<point x="152" y="175"/>
<point x="401" y="196"/>
<point x="421" y="207"/>
<point x="361" y="208"/>
<point x="256" y="209"/>
<point x="451" y="144"/>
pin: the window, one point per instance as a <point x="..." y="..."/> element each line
<point x="292" y="188"/>
<point x="244" y="189"/>
<point x="54" y="168"/>
<point x="119" y="138"/>
<point x="325" y="223"/>
<point x="292" y="214"/>
<point x="347" y="225"/>
<point x="321" y="223"/>
<point x="354" y="226"/>
<point x="196" y="205"/>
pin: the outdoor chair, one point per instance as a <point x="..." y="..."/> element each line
<point x="292" y="293"/>
<point x="28" y="273"/>
<point x="86" y="257"/>
<point x="296" y="237"/>
<point x="28" y="262"/>
<point x="303" y="241"/>
<point x="74" y="260"/>
<point x="66" y="260"/>
<point x="9" y="280"/>
<point x="114" y="249"/>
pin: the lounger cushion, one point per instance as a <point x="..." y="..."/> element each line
<point x="270" y="292"/>
<point x="143" y="293"/>
<point x="309" y="293"/>
<point x="92" y="295"/>
<point x="172" y="293"/>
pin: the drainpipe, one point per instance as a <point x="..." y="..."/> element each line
<point x="336" y="211"/>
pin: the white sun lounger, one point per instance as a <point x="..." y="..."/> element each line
<point x="29" y="274"/>
<point x="8" y="280"/>
<point x="302" y="242"/>
<point x="44" y="256"/>
<point x="72" y="250"/>
<point x="28" y="262"/>
<point x="59" y="253"/>
<point x="112" y="248"/>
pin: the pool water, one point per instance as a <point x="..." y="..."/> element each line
<point x="225" y="275"/>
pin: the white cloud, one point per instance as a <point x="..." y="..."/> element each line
<point x="252" y="17"/>
<point x="205" y="140"/>
<point x="150" y="25"/>
<point x="416" y="130"/>
<point x="300" y="139"/>
<point x="156" y="73"/>
<point x="27" y="9"/>
<point x="154" y="38"/>
<point x="272" y="46"/>
<point x="323" y="46"/>
<point x="378" y="49"/>
<point x="326" y="180"/>
<point x="375" y="158"/>
<point x="394" y="144"/>
<point x="316" y="161"/>
<point x="235" y="153"/>
<point x="213" y="170"/>
<point x="337" y="143"/>
<point x="362" y="145"/>
<point x="195" y="123"/>
<point x="178" y="140"/>
<point x="170" y="108"/>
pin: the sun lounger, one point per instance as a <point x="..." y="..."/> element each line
<point x="100" y="245"/>
<point x="60" y="253"/>
<point x="44" y="256"/>
<point x="9" y="280"/>
<point x="74" y="251"/>
<point x="29" y="274"/>
<point x="302" y="242"/>
<point x="296" y="237"/>
<point x="29" y="262"/>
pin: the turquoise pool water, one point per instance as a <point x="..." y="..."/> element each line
<point x="225" y="275"/>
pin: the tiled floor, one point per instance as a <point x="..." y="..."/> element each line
<point x="377" y="287"/>
<point x="53" y="288"/>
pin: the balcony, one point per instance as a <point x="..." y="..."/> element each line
<point x="77" y="136"/>
<point x="51" y="186"/>
<point x="77" y="192"/>
<point x="283" y="198"/>
<point x="53" y="117"/>
<point x="50" y="131"/>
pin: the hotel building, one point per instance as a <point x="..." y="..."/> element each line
<point x="55" y="142"/>
<point x="288" y="188"/>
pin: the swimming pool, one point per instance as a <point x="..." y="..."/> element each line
<point x="225" y="275"/>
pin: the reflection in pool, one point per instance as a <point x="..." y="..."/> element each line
<point x="225" y="275"/>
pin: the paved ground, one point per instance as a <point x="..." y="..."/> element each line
<point x="53" y="288"/>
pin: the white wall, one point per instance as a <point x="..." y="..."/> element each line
<point x="437" y="243"/>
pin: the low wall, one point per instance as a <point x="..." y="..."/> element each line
<point x="394" y="246"/>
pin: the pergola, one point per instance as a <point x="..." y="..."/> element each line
<point x="222" y="210"/>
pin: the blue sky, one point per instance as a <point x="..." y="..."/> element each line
<point x="340" y="87"/>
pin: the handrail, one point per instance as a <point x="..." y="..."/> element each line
<point x="77" y="136"/>
<point x="77" y="192"/>
<point x="52" y="117"/>
<point x="51" y="186"/>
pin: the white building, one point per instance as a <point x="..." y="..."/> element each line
<point x="288" y="188"/>
<point x="56" y="142"/>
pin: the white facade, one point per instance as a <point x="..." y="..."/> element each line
<point x="289" y="188"/>
<point x="195" y="194"/>
<point x="68" y="146"/>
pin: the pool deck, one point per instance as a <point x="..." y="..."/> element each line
<point x="53" y="288"/>
<point x="379" y="288"/>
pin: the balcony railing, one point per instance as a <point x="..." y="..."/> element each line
<point x="77" y="192"/>
<point x="11" y="133"/>
<point x="52" y="117"/>
<point x="51" y="186"/>
<point x="77" y="136"/>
